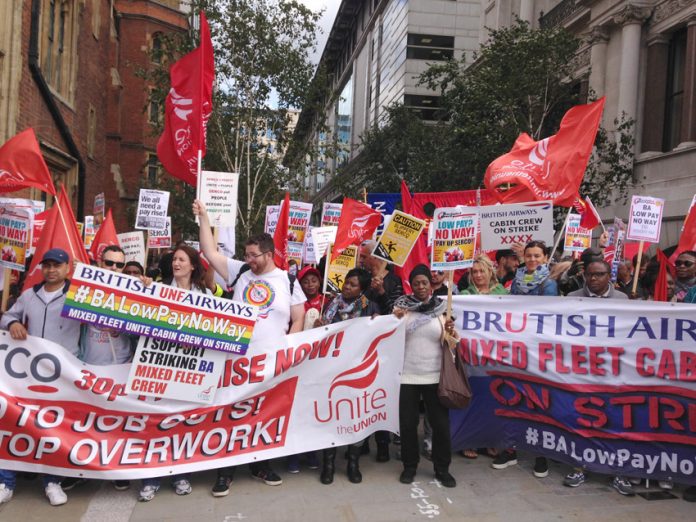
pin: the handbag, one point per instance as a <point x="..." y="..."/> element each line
<point x="453" y="389"/>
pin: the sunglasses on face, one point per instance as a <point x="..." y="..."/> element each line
<point x="687" y="264"/>
<point x="109" y="262"/>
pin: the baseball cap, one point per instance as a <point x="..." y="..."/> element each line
<point x="56" y="254"/>
<point x="308" y="270"/>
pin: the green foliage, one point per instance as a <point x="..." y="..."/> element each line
<point x="521" y="80"/>
<point x="262" y="65"/>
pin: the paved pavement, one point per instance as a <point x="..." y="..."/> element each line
<point x="482" y="495"/>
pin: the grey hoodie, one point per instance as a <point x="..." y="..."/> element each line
<point x="43" y="319"/>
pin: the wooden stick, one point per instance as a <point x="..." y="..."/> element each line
<point x="365" y="195"/>
<point x="560" y="235"/>
<point x="450" y="285"/>
<point x="7" y="273"/>
<point x="636" y="271"/>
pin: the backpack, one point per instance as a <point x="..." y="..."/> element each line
<point x="246" y="268"/>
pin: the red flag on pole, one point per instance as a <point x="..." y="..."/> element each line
<point x="187" y="109"/>
<point x="106" y="236"/>
<point x="357" y="223"/>
<point x="280" y="236"/>
<point x="419" y="254"/>
<point x="660" y="292"/>
<point x="552" y="168"/>
<point x="687" y="240"/>
<point x="589" y="217"/>
<point x="60" y="231"/>
<point x="22" y="165"/>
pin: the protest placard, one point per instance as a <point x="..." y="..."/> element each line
<point x="505" y="225"/>
<point x="613" y="252"/>
<point x="272" y="213"/>
<point x="454" y="238"/>
<point x="152" y="209"/>
<point x="196" y="245"/>
<point x="300" y="214"/>
<point x="124" y="303"/>
<point x="308" y="255"/>
<point x="219" y="195"/>
<point x="34" y="205"/>
<point x="89" y="231"/>
<point x="398" y="238"/>
<point x="280" y="401"/>
<point x="320" y="240"/>
<point x="133" y="245"/>
<point x="330" y="212"/>
<point x="335" y="274"/>
<point x="577" y="238"/>
<point x="170" y="370"/>
<point x="160" y="238"/>
<point x="99" y="208"/>
<point x="645" y="219"/>
<point x="295" y="252"/>
<point x="15" y="236"/>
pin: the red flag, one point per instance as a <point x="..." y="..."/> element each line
<point x="660" y="292"/>
<point x="60" y="231"/>
<point x="22" y="165"/>
<point x="280" y="236"/>
<point x="357" y="223"/>
<point x="106" y="236"/>
<point x="419" y="254"/>
<point x="187" y="109"/>
<point x="589" y="217"/>
<point x="687" y="240"/>
<point x="552" y="168"/>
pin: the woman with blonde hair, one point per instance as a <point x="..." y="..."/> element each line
<point x="483" y="279"/>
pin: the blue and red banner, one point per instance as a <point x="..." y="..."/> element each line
<point x="606" y="385"/>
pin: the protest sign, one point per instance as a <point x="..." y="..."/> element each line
<point x="313" y="390"/>
<point x="645" y="219"/>
<point x="321" y="238"/>
<point x="99" y="208"/>
<point x="505" y="225"/>
<point x="113" y="300"/>
<point x="577" y="238"/>
<point x="89" y="231"/>
<point x="330" y="213"/>
<point x="196" y="245"/>
<point x="295" y="252"/>
<point x="170" y="370"/>
<point x="226" y="241"/>
<point x="300" y="214"/>
<point x="219" y="195"/>
<point x="34" y="205"/>
<point x="160" y="238"/>
<point x="454" y="238"/>
<point x="152" y="209"/>
<point x="133" y="245"/>
<point x="335" y="273"/>
<point x="272" y="213"/>
<point x="606" y="385"/>
<point x="15" y="236"/>
<point x="614" y="251"/>
<point x="398" y="238"/>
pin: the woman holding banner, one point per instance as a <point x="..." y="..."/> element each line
<point x="188" y="273"/>
<point x="425" y="326"/>
<point x="533" y="278"/>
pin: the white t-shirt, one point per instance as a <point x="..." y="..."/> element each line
<point x="47" y="296"/>
<point x="271" y="293"/>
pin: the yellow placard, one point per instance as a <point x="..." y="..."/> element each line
<point x="335" y="274"/>
<point x="399" y="237"/>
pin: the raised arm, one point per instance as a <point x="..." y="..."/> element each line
<point x="217" y="260"/>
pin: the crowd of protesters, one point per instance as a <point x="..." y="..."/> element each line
<point x="370" y="289"/>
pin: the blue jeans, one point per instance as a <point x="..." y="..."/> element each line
<point x="9" y="478"/>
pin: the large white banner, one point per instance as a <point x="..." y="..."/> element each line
<point x="333" y="385"/>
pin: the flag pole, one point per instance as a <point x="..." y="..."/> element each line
<point x="65" y="227"/>
<point x="7" y="273"/>
<point x="560" y="234"/>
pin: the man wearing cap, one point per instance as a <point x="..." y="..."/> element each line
<point x="37" y="313"/>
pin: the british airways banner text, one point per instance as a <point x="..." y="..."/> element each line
<point x="329" y="386"/>
<point x="602" y="384"/>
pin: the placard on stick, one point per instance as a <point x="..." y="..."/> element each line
<point x="219" y="195"/>
<point x="645" y="219"/>
<point x="152" y="210"/>
<point x="505" y="225"/>
<point x="335" y="274"/>
<point x="454" y="238"/>
<point x="399" y="237"/>
<point x="15" y="236"/>
<point x="577" y="238"/>
<point x="133" y="246"/>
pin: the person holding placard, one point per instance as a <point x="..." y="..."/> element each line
<point x="425" y="324"/>
<point x="257" y="281"/>
<point x="37" y="313"/>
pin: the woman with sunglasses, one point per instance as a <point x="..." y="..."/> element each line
<point x="686" y="274"/>
<point x="188" y="273"/>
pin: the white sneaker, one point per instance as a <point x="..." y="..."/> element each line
<point x="182" y="487"/>
<point x="5" y="494"/>
<point x="147" y="493"/>
<point x="666" y="484"/>
<point x="56" y="495"/>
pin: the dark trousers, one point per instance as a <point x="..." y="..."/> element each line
<point x="409" y="416"/>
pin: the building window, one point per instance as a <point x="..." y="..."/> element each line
<point x="430" y="47"/>
<point x="674" y="99"/>
<point x="91" y="130"/>
<point x="427" y="107"/>
<point x="153" y="109"/>
<point x="58" y="44"/>
<point x="153" y="170"/>
<point x="344" y="123"/>
<point x="156" y="53"/>
<point x="96" y="17"/>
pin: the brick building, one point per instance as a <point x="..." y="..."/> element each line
<point x="67" y="69"/>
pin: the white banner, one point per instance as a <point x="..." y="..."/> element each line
<point x="325" y="387"/>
